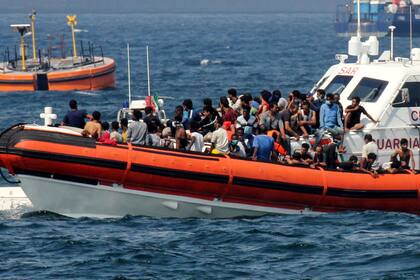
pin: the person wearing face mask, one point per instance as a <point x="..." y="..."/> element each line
<point x="330" y="119"/>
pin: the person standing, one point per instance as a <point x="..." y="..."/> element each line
<point x="137" y="130"/>
<point x="75" y="117"/>
<point x="263" y="145"/>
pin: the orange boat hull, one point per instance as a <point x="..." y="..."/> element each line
<point x="92" y="77"/>
<point x="222" y="178"/>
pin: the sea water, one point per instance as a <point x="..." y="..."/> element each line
<point x="196" y="56"/>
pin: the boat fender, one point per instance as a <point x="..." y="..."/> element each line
<point x="205" y="209"/>
<point x="170" y="204"/>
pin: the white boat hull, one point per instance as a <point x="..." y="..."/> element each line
<point x="12" y="198"/>
<point x="83" y="200"/>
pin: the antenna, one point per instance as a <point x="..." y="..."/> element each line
<point x="148" y="71"/>
<point x="129" y="74"/>
<point x="411" y="28"/>
<point x="359" y="35"/>
<point x="392" y="28"/>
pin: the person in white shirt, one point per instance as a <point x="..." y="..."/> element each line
<point x="369" y="147"/>
<point x="115" y="135"/>
<point x="234" y="101"/>
<point x="197" y="139"/>
<point x="219" y="139"/>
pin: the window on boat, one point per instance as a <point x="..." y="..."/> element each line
<point x="414" y="91"/>
<point x="338" y="84"/>
<point x="318" y="85"/>
<point x="368" y="90"/>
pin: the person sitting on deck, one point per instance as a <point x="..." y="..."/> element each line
<point x="296" y="159"/>
<point x="180" y="134"/>
<point x="271" y="119"/>
<point x="353" y="165"/>
<point x="153" y="138"/>
<point x="307" y="117"/>
<point x="370" y="146"/>
<point x="353" y="114"/>
<point x="219" y="139"/>
<point x="246" y="120"/>
<point x="281" y="102"/>
<point x="372" y="163"/>
<point x="189" y="113"/>
<point x="75" y="117"/>
<point x="236" y="147"/>
<point x="137" y="130"/>
<point x="330" y="119"/>
<point x="228" y="114"/>
<point x="234" y="101"/>
<point x="304" y="151"/>
<point x="93" y="127"/>
<point x="197" y="139"/>
<point x="105" y="135"/>
<point x="115" y="135"/>
<point x="404" y="155"/>
<point x="265" y="102"/>
<point x="206" y="124"/>
<point x="289" y="119"/>
<point x="124" y="128"/>
<point x="263" y="145"/>
<point x="350" y="165"/>
<point x="319" y="158"/>
<point x="151" y="118"/>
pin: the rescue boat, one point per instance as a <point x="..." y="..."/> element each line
<point x="88" y="70"/>
<point x="64" y="172"/>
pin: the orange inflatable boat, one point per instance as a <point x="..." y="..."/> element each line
<point x="63" y="172"/>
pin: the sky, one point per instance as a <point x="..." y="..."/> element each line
<point x="168" y="6"/>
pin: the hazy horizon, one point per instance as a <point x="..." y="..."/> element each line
<point x="169" y="6"/>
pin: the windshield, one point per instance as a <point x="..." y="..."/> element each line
<point x="338" y="84"/>
<point x="369" y="90"/>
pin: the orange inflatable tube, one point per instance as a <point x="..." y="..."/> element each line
<point x="35" y="151"/>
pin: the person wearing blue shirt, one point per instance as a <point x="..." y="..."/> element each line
<point x="330" y="119"/>
<point x="263" y="145"/>
<point x="75" y="117"/>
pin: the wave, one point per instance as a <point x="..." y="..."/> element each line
<point x="86" y="93"/>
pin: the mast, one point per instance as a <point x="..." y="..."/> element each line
<point x="411" y="27"/>
<point x="358" y="20"/>
<point x="148" y="72"/>
<point x="129" y="74"/>
<point x="71" y="21"/>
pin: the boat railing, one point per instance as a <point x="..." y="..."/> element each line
<point x="92" y="54"/>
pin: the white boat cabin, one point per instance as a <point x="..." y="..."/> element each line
<point x="389" y="89"/>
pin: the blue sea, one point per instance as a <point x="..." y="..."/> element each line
<point x="250" y="52"/>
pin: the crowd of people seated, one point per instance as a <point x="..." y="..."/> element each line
<point x="255" y="127"/>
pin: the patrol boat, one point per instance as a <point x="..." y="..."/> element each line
<point x="377" y="15"/>
<point x="63" y="172"/>
<point x="86" y="69"/>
